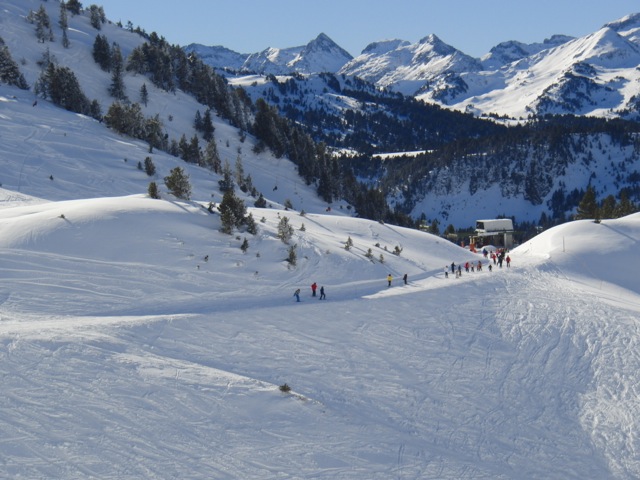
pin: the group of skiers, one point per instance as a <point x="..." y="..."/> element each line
<point x="498" y="259"/>
<point x="498" y="256"/>
<point x="405" y="279"/>
<point x="314" y="288"/>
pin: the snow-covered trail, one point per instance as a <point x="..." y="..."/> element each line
<point x="488" y="378"/>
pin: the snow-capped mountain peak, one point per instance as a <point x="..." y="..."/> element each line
<point x="320" y="55"/>
<point x="628" y="27"/>
<point x="384" y="46"/>
<point x="407" y="68"/>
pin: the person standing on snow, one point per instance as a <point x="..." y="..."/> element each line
<point x="389" y="279"/>
<point x="313" y="289"/>
<point x="405" y="278"/>
<point x="322" y="295"/>
<point x="508" y="259"/>
<point x="297" y="295"/>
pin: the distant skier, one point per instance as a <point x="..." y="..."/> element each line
<point x="322" y="295"/>
<point x="297" y="295"/>
<point x="405" y="278"/>
<point x="389" y="279"/>
<point x="508" y="259"/>
<point x="313" y="289"/>
<point x="453" y="267"/>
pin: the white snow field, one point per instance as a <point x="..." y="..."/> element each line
<point x="124" y="354"/>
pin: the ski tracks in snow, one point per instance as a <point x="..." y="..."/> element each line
<point x="591" y="348"/>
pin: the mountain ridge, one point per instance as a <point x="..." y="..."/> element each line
<point x="436" y="72"/>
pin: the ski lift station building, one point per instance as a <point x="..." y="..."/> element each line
<point x="498" y="232"/>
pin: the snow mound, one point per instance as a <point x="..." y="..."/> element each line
<point x="594" y="252"/>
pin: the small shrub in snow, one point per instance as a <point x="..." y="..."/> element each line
<point x="292" y="258"/>
<point x="348" y="244"/>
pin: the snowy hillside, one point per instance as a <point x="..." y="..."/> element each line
<point x="33" y="134"/>
<point x="125" y="354"/>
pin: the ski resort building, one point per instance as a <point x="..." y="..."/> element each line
<point x="498" y="232"/>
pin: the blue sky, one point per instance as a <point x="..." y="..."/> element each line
<point x="473" y="26"/>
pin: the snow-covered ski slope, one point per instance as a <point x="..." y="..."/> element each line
<point x="124" y="354"/>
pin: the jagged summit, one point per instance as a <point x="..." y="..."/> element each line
<point x="384" y="46"/>
<point x="513" y="79"/>
<point x="628" y="26"/>
<point x="320" y="55"/>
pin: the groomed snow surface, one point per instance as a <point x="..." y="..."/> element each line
<point x="124" y="354"/>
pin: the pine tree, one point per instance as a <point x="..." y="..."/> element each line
<point x="102" y="52"/>
<point x="149" y="167"/>
<point x="197" y="121"/>
<point x="588" y="207"/>
<point x="232" y="209"/>
<point x="74" y="6"/>
<point x="64" y="24"/>
<point x="207" y="126"/>
<point x="260" y="202"/>
<point x="625" y="206"/>
<point x="252" y="227"/>
<point x="210" y="157"/>
<point x="65" y="39"/>
<point x="178" y="183"/>
<point x="9" y="71"/>
<point x="43" y="25"/>
<point x="63" y="88"/>
<point x="226" y="182"/>
<point x="348" y="244"/>
<point x="144" y="95"/>
<point x="96" y="16"/>
<point x="435" y="228"/>
<point x="228" y="221"/>
<point x="117" y="88"/>
<point x="245" y="245"/>
<point x="195" y="155"/>
<point x="153" y="190"/>
<point x="608" y="207"/>
<point x="285" y="230"/>
<point x="292" y="256"/>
